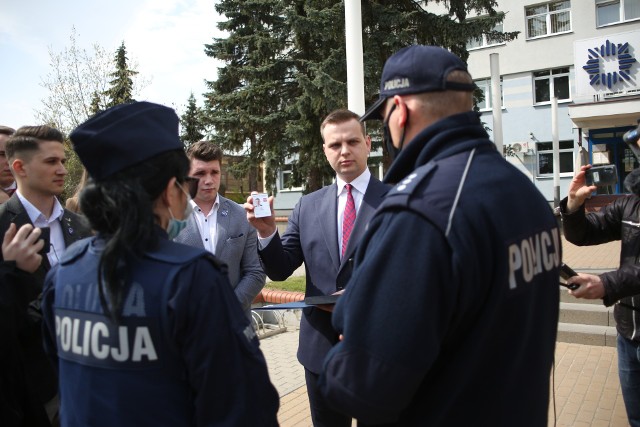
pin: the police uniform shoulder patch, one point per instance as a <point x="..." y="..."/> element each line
<point x="413" y="180"/>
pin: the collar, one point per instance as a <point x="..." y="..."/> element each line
<point x="446" y="137"/>
<point x="34" y="213"/>
<point x="360" y="183"/>
<point x="11" y="187"/>
<point x="214" y="208"/>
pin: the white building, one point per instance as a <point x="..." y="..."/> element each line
<point x="587" y="54"/>
<point x="584" y="52"/>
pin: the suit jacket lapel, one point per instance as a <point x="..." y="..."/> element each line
<point x="192" y="235"/>
<point x="372" y="198"/>
<point x="328" y="222"/>
<point x="222" y="231"/>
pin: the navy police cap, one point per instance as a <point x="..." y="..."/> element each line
<point x="417" y="69"/>
<point x="125" y="135"/>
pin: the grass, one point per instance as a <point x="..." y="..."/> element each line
<point x="293" y="284"/>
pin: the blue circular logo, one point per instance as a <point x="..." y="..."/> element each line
<point x="608" y="52"/>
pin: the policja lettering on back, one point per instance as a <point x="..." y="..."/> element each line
<point x="94" y="340"/>
<point x="533" y="255"/>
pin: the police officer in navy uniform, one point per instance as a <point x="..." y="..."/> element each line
<point x="450" y="316"/>
<point x="145" y="331"/>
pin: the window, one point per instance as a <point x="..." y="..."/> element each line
<point x="545" y="158"/>
<point x="286" y="178"/>
<point x="616" y="11"/>
<point x="485" y="40"/>
<point x="485" y="86"/>
<point x="549" y="18"/>
<point x="547" y="82"/>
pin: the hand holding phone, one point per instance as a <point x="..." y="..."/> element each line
<point x="602" y="175"/>
<point x="45" y="234"/>
<point x="565" y="273"/>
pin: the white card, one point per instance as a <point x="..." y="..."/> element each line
<point x="261" y="205"/>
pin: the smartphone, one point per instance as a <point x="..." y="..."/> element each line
<point x="602" y="175"/>
<point x="565" y="273"/>
<point x="45" y="234"/>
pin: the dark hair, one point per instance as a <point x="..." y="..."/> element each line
<point x="341" y="116"/>
<point x="205" y="150"/>
<point x="28" y="138"/>
<point x="120" y="209"/>
<point x="6" y="130"/>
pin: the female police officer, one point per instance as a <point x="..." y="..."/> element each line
<point x="146" y="331"/>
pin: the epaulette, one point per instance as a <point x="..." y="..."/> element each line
<point x="400" y="194"/>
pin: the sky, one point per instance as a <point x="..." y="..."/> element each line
<point x="165" y="38"/>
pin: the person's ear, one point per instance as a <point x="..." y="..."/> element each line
<point x="403" y="111"/>
<point x="169" y="194"/>
<point x="18" y="167"/>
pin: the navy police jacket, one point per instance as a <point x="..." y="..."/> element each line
<point x="183" y="354"/>
<point x="450" y="316"/>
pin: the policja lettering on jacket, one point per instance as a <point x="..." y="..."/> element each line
<point x="91" y="339"/>
<point x="532" y="256"/>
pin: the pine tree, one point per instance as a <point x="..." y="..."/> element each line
<point x="191" y="123"/>
<point x="244" y="106"/>
<point x="95" y="107"/>
<point x="285" y="70"/>
<point x="121" y="90"/>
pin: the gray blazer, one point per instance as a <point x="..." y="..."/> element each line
<point x="236" y="245"/>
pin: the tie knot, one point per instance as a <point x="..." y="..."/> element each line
<point x="348" y="187"/>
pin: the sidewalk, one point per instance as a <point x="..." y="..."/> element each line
<point x="585" y="387"/>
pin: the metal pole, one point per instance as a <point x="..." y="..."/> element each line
<point x="556" y="151"/>
<point x="496" y="102"/>
<point x="355" y="65"/>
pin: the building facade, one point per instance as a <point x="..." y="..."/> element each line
<point x="585" y="53"/>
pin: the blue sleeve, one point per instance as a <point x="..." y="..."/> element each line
<point x="393" y="309"/>
<point x="226" y="369"/>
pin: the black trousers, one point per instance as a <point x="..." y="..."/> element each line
<point x="322" y="414"/>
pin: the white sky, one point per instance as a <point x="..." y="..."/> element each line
<point x="165" y="37"/>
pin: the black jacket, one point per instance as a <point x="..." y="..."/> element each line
<point x="19" y="405"/>
<point x="619" y="220"/>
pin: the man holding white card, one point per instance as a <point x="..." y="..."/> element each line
<point x="219" y="225"/>
<point x="323" y="231"/>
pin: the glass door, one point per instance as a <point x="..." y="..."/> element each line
<point x="606" y="147"/>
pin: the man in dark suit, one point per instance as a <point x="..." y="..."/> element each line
<point x="220" y="226"/>
<point x="315" y="236"/>
<point x="36" y="156"/>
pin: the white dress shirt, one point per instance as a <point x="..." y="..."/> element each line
<point x="207" y="224"/>
<point x="38" y="219"/>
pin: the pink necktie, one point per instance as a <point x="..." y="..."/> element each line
<point x="348" y="219"/>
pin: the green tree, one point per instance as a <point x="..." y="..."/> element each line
<point x="244" y="105"/>
<point x="121" y="84"/>
<point x="96" y="102"/>
<point x="285" y="69"/>
<point x="191" y="123"/>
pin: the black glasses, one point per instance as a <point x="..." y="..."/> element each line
<point x="192" y="185"/>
